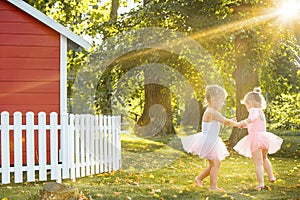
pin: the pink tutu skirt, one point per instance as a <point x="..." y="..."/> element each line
<point x="261" y="140"/>
<point x="198" y="144"/>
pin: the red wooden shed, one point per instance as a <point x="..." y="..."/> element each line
<point x="33" y="59"/>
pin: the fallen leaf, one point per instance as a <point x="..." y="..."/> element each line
<point x="225" y="195"/>
<point x="117" y="193"/>
<point x="155" y="195"/>
<point x="283" y="192"/>
<point x="99" y="195"/>
<point x="280" y="180"/>
<point x="151" y="176"/>
<point x="245" y="194"/>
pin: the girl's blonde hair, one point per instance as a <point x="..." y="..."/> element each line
<point x="214" y="92"/>
<point x="256" y="97"/>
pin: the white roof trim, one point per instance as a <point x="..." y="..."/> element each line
<point x="50" y="22"/>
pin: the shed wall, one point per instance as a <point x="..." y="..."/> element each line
<point x="29" y="69"/>
<point x="29" y="63"/>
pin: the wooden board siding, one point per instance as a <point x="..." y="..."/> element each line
<point x="29" y="63"/>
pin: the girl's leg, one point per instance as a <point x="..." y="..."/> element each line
<point x="258" y="162"/>
<point x="268" y="165"/>
<point x="214" y="172"/>
<point x="203" y="175"/>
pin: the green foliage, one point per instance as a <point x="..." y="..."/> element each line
<point x="281" y="83"/>
<point x="78" y="16"/>
<point x="281" y="75"/>
<point x="215" y="24"/>
<point x="284" y="112"/>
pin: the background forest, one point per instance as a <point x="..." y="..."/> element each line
<point x="151" y="60"/>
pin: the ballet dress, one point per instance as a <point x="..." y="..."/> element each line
<point x="207" y="143"/>
<point x="258" y="137"/>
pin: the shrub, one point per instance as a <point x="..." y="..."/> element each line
<point x="284" y="112"/>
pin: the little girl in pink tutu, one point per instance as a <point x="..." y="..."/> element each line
<point x="208" y="144"/>
<point x="258" y="143"/>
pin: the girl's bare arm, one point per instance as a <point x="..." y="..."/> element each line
<point x="217" y="116"/>
<point x="230" y="122"/>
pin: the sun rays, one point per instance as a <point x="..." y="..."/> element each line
<point x="246" y="18"/>
<point x="275" y="15"/>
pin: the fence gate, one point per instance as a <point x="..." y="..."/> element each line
<point x="77" y="146"/>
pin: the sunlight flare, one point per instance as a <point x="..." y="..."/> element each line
<point x="236" y="25"/>
<point x="289" y="9"/>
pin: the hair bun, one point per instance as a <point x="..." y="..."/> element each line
<point x="257" y="90"/>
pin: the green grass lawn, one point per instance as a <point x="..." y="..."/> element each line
<point x="157" y="168"/>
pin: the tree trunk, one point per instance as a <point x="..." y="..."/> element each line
<point x="114" y="10"/>
<point x="157" y="114"/>
<point x="246" y="78"/>
<point x="103" y="99"/>
<point x="192" y="115"/>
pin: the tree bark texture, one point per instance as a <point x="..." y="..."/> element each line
<point x="157" y="114"/>
<point x="246" y="78"/>
<point x="114" y="10"/>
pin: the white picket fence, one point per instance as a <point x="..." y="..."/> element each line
<point x="80" y="145"/>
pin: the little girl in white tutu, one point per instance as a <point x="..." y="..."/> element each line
<point x="208" y="144"/>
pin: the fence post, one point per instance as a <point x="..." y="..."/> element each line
<point x="18" y="154"/>
<point x="105" y="143"/>
<point x="97" y="144"/>
<point x="5" y="154"/>
<point x="118" y="128"/>
<point x="30" y="146"/>
<point x="55" y="170"/>
<point x="114" y="143"/>
<point x="92" y="144"/>
<point x="77" y="145"/>
<point x="110" y="143"/>
<point x="71" y="131"/>
<point x="64" y="144"/>
<point x="82" y="143"/>
<point x="101" y="142"/>
<point x="42" y="146"/>
<point x="87" y="144"/>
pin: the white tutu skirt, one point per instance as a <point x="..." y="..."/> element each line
<point x="211" y="148"/>
<point x="260" y="140"/>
